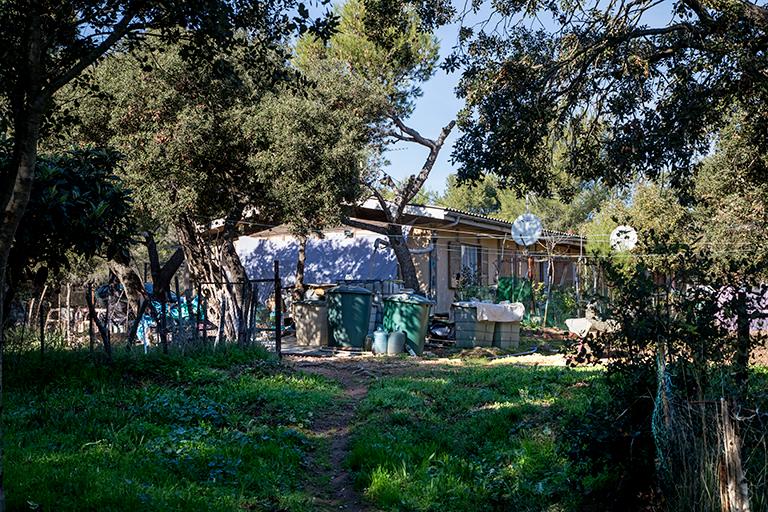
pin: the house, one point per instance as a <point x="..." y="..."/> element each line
<point x="443" y="241"/>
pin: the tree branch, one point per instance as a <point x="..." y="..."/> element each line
<point x="119" y="31"/>
<point x="416" y="136"/>
<point x="364" y="225"/>
<point x="700" y="10"/>
<point x="171" y="266"/>
<point x="756" y="13"/>
<point x="93" y="315"/>
<point x="414" y="183"/>
<point x="399" y="136"/>
<point x="154" y="259"/>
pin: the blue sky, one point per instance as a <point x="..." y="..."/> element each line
<point x="436" y="108"/>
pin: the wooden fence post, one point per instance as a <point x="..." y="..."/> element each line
<point x="41" y="316"/>
<point x="68" y="325"/>
<point x="91" y="333"/>
<point x="179" y="331"/>
<point x="108" y="324"/>
<point x="162" y="326"/>
<point x="196" y="332"/>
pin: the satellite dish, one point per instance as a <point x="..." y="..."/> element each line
<point x="623" y="238"/>
<point x="526" y="230"/>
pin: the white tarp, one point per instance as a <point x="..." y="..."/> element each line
<point x="579" y="326"/>
<point x="504" y="312"/>
<point x="582" y="327"/>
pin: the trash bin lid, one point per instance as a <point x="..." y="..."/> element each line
<point x="411" y="298"/>
<point x="348" y="288"/>
<point x="310" y="302"/>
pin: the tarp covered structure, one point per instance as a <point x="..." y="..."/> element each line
<point x="328" y="260"/>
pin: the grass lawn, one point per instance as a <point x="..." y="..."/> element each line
<point x="233" y="430"/>
<point x="221" y="431"/>
<point x="483" y="437"/>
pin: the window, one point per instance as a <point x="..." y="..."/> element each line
<point x="466" y="260"/>
<point x="543" y="272"/>
<point x="470" y="261"/>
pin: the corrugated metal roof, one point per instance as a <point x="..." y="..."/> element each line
<point x="550" y="232"/>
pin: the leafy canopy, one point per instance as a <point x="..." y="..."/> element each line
<point x="181" y="127"/>
<point x="389" y="62"/>
<point x="313" y="157"/>
<point x="631" y="95"/>
<point x="78" y="206"/>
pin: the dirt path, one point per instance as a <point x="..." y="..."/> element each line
<point x="336" y="426"/>
<point x="356" y="374"/>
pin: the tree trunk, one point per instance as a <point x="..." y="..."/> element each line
<point x="734" y="490"/>
<point x="94" y="317"/>
<point x="404" y="259"/>
<point x="215" y="264"/>
<point x="238" y="288"/>
<point x="28" y="106"/>
<point x="132" y="284"/>
<point x="299" y="288"/>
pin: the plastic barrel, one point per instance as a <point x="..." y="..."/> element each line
<point x="349" y="311"/>
<point x="396" y="343"/>
<point x="380" y="341"/>
<point x="409" y="313"/>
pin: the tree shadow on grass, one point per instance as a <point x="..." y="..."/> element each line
<point x="162" y="442"/>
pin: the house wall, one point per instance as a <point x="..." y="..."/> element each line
<point x="448" y="262"/>
<point x="495" y="262"/>
<point x="343" y="259"/>
<point x="341" y="254"/>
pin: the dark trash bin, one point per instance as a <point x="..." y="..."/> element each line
<point x="349" y="311"/>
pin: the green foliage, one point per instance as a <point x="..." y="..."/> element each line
<point x="78" y="206"/>
<point x="614" y="91"/>
<point x="181" y="128"/>
<point x="215" y="431"/>
<point x="390" y="62"/>
<point x="481" y="438"/>
<point x="653" y="210"/>
<point x="732" y="203"/>
<point x="313" y="158"/>
<point x="480" y="197"/>
<point x="488" y="197"/>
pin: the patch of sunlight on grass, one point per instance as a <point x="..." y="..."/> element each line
<point x="478" y="438"/>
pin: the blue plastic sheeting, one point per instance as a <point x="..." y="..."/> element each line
<point x="328" y="259"/>
<point x="173" y="314"/>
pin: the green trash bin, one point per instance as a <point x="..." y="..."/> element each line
<point x="349" y="311"/>
<point x="409" y="313"/>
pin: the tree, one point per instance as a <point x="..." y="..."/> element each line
<point x="45" y="46"/>
<point x="630" y="96"/>
<point x="687" y="295"/>
<point x="488" y="197"/>
<point x="314" y="150"/>
<point x="389" y="62"/>
<point x="632" y="99"/>
<point x="481" y="197"/>
<point x="182" y="128"/>
<point x="77" y="207"/>
<point x="732" y="215"/>
<point x="732" y="203"/>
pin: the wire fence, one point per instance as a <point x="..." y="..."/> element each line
<point x="82" y="315"/>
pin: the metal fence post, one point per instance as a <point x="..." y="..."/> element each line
<point x="278" y="311"/>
